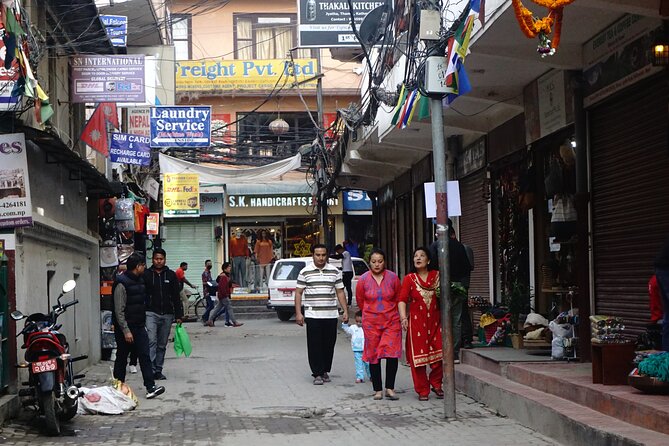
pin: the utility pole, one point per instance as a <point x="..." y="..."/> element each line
<point x="322" y="199"/>
<point x="430" y="30"/>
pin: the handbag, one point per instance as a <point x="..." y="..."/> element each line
<point x="182" y="343"/>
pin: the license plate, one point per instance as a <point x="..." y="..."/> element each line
<point x="287" y="293"/>
<point x="44" y="366"/>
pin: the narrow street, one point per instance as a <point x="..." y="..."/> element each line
<point x="251" y="386"/>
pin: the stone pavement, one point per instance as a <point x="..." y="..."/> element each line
<point x="251" y="386"/>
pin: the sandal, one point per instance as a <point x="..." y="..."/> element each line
<point x="439" y="393"/>
<point x="391" y="396"/>
<point x="423" y="397"/>
<point x="378" y="396"/>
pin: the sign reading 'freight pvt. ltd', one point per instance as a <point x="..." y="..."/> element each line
<point x="227" y="75"/>
<point x="180" y="126"/>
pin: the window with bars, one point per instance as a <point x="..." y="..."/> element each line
<point x="182" y="36"/>
<point x="266" y="36"/>
<point x="254" y="138"/>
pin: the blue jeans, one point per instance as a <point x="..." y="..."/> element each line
<point x="223" y="305"/>
<point x="158" y="327"/>
<point x="361" y="367"/>
<point x="210" y="306"/>
<point x="663" y="281"/>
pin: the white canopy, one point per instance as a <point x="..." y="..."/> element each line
<point x="223" y="175"/>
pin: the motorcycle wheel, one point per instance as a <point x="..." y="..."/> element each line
<point x="48" y="403"/>
<point x="68" y="414"/>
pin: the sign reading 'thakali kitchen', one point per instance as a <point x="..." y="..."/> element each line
<point x="247" y="201"/>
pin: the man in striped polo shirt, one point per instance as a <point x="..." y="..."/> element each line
<point x="321" y="286"/>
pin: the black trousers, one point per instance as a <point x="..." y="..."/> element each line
<point x="321" y="339"/>
<point x="347" y="278"/>
<point x="141" y="347"/>
<point x="391" y="372"/>
<point x="467" y="334"/>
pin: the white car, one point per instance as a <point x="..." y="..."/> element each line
<point x="283" y="280"/>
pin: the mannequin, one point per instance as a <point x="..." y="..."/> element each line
<point x="264" y="252"/>
<point x="239" y="252"/>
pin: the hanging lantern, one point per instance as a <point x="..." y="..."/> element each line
<point x="278" y="126"/>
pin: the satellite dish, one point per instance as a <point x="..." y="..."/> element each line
<point x="374" y="25"/>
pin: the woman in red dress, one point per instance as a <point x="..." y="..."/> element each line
<point x="423" y="324"/>
<point x="376" y="294"/>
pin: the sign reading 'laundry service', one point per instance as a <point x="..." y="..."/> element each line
<point x="215" y="75"/>
<point x="180" y="126"/>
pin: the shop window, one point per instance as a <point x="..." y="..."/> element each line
<point x="301" y="234"/>
<point x="266" y="36"/>
<point x="255" y="139"/>
<point x="182" y="36"/>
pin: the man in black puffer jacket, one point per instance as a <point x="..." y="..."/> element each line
<point x="163" y="307"/>
<point x="129" y="317"/>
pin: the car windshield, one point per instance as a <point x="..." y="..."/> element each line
<point x="360" y="267"/>
<point x="288" y="270"/>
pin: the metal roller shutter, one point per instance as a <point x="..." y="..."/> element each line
<point x="630" y="198"/>
<point x="474" y="230"/>
<point x="191" y="240"/>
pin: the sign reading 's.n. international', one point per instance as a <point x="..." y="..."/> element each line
<point x="229" y="75"/>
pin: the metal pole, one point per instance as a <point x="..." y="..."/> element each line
<point x="440" y="181"/>
<point x="322" y="200"/>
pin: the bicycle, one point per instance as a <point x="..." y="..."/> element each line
<point x="196" y="303"/>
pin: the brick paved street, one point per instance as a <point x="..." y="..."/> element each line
<point x="251" y="386"/>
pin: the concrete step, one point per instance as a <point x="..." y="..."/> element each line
<point x="565" y="421"/>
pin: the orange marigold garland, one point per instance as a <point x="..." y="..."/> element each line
<point x="542" y="27"/>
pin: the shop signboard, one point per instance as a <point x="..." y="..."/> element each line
<point x="152" y="223"/>
<point x="552" y="105"/>
<point x="618" y="56"/>
<point x="227" y="75"/>
<point x="472" y="158"/>
<point x="327" y="23"/>
<point x="181" y="195"/>
<point x="8" y="77"/>
<point x="139" y="122"/>
<point x="357" y="200"/>
<point x="117" y="29"/>
<point x="211" y="204"/>
<point x="15" y="205"/>
<point x="107" y="78"/>
<point x="180" y="126"/>
<point x="130" y="149"/>
<point x="280" y="201"/>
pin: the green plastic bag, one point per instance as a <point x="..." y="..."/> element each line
<point x="182" y="341"/>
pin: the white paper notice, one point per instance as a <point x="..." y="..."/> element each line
<point x="453" y="193"/>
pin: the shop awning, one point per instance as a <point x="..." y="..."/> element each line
<point x="229" y="176"/>
<point x="272" y="188"/>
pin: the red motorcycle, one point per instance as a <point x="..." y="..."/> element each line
<point x="51" y="379"/>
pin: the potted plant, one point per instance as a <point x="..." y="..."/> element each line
<point x="518" y="302"/>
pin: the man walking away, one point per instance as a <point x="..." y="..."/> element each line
<point x="224" y="287"/>
<point x="346" y="271"/>
<point x="164" y="305"/>
<point x="129" y="317"/>
<point x="181" y="277"/>
<point x="321" y="285"/>
<point x="209" y="290"/>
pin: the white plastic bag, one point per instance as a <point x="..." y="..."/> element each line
<point x="110" y="402"/>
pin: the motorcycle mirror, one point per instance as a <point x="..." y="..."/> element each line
<point x="17" y="315"/>
<point x="69" y="286"/>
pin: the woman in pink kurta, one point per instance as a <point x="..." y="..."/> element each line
<point x="376" y="294"/>
<point x="423" y="324"/>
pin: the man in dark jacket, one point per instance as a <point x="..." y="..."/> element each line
<point x="129" y="319"/>
<point x="163" y="307"/>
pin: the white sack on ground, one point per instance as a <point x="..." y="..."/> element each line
<point x="104" y="401"/>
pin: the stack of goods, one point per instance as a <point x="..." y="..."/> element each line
<point x="607" y="330"/>
<point x="652" y="373"/>
<point x="494" y="328"/>
<point x="562" y="327"/>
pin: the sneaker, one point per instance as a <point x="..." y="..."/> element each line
<point x="358" y="381"/>
<point x="133" y="369"/>
<point x="318" y="381"/>
<point x="159" y="376"/>
<point x="154" y="392"/>
<point x="456" y="361"/>
<point x="228" y="324"/>
<point x="326" y="378"/>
